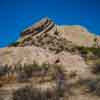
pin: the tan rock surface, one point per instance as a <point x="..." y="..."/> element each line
<point x="27" y="55"/>
<point x="78" y="35"/>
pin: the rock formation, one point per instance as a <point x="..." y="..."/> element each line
<point x="47" y="29"/>
<point x="52" y="62"/>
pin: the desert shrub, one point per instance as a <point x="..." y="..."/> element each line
<point x="58" y="76"/>
<point x="15" y="44"/>
<point x="24" y="72"/>
<point x="84" y="51"/>
<point x="25" y="94"/>
<point x="92" y="85"/>
<point x="96" y="68"/>
<point x="4" y="70"/>
<point x="27" y="71"/>
<point x="29" y="93"/>
<point x="96" y="51"/>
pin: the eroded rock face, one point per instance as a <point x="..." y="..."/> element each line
<point x="49" y="44"/>
<point x="78" y="35"/>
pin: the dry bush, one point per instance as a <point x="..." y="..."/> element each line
<point x="92" y="85"/>
<point x="3" y="70"/>
<point x="96" y="68"/>
<point x="31" y="93"/>
<point x="25" y="72"/>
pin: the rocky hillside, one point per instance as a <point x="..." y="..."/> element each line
<point x="51" y="62"/>
<point x="46" y="31"/>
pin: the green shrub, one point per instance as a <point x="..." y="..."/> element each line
<point x="85" y="50"/>
<point x="15" y="44"/>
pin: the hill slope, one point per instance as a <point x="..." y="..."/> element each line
<point x="52" y="62"/>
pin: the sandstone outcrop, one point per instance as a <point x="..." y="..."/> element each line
<point x="52" y="62"/>
<point x="46" y="30"/>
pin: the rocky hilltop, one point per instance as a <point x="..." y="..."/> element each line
<point x="47" y="29"/>
<point x="51" y="62"/>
